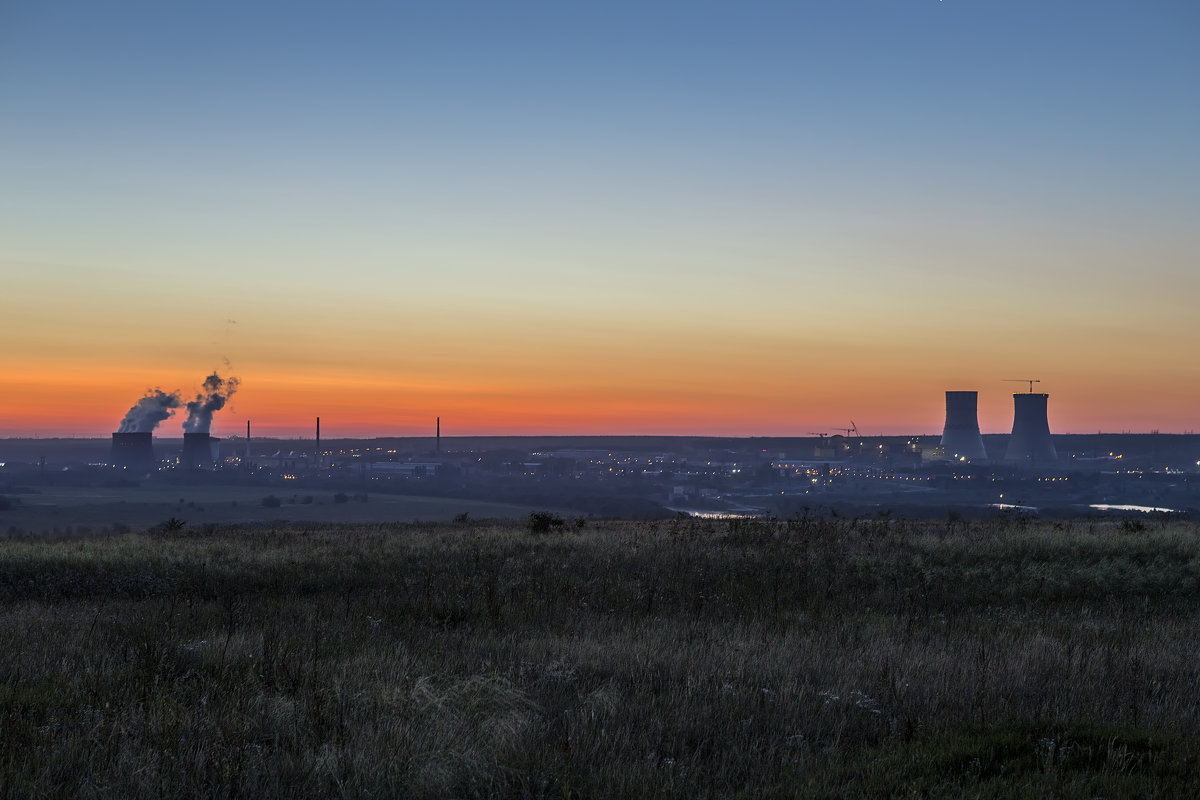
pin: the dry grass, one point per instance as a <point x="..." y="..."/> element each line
<point x="830" y="658"/>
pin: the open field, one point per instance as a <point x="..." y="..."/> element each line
<point x="55" y="509"/>
<point x="811" y="658"/>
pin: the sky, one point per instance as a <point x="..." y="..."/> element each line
<point x="582" y="217"/>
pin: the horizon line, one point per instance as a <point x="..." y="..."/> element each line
<point x="235" y="436"/>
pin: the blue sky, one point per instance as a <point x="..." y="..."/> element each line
<point x="825" y="174"/>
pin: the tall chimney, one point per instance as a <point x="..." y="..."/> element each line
<point x="438" y="439"/>
<point x="1030" y="442"/>
<point x="960" y="437"/>
<point x="318" y="461"/>
<point x="247" y="442"/>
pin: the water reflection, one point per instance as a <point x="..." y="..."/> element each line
<point x="1144" y="509"/>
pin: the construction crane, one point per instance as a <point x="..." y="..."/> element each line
<point x="853" y="429"/>
<point x="1030" y="381"/>
<point x="821" y="434"/>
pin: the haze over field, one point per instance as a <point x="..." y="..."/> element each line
<point x="753" y="218"/>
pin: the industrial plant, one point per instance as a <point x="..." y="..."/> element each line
<point x="961" y="439"/>
<point x="964" y="471"/>
<point x="1030" y="442"/>
<point x="133" y="451"/>
<point x="133" y="443"/>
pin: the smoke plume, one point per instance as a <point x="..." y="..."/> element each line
<point x="211" y="399"/>
<point x="152" y="409"/>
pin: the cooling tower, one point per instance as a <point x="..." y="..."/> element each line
<point x="1030" y="442"/>
<point x="197" y="451"/>
<point x="133" y="451"/>
<point x="960" y="437"/>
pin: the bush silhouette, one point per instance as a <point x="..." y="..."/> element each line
<point x="543" y="521"/>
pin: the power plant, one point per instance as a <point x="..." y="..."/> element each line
<point x="133" y="451"/>
<point x="960" y="471"/>
<point x="198" y="451"/>
<point x="1030" y="442"/>
<point x="960" y="437"/>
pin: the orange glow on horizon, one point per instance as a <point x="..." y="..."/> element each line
<point x="90" y="402"/>
<point x="489" y="371"/>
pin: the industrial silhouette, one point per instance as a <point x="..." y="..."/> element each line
<point x="1030" y="442"/>
<point x="197" y="451"/>
<point x="133" y="451"/>
<point x="960" y="437"/>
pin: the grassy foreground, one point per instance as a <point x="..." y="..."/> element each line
<point x="811" y="658"/>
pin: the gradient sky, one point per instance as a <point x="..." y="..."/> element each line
<point x="738" y="218"/>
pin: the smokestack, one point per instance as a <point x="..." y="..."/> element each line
<point x="438" y="440"/>
<point x="133" y="451"/>
<point x="318" y="461"/>
<point x="247" y="442"/>
<point x="960" y="437"/>
<point x="197" y="451"/>
<point x="1030" y="442"/>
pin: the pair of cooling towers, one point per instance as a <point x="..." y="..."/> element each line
<point x="135" y="451"/>
<point x="1030" y="442"/>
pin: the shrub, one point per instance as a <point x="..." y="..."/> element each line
<point x="543" y="521"/>
<point x="169" y="525"/>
